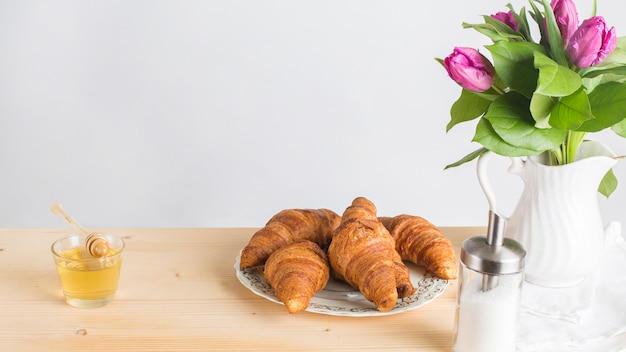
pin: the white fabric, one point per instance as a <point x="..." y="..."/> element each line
<point x="590" y="317"/>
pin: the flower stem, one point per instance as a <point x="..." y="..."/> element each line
<point x="556" y="156"/>
<point x="497" y="89"/>
<point x="566" y="153"/>
<point x="574" y="140"/>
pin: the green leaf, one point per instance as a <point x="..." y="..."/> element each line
<point x="514" y="64"/>
<point x="522" y="22"/>
<point x="619" y="71"/>
<point x="554" y="35"/>
<point x="469" y="157"/>
<point x="594" y="8"/>
<point x="540" y="108"/>
<point x="571" y="111"/>
<point x="608" y="184"/>
<point x="620" y="128"/>
<point x="486" y="136"/>
<point x="511" y="120"/>
<point x="468" y="107"/>
<point x="501" y="27"/>
<point x="608" y="104"/>
<point x="495" y="30"/>
<point x="591" y="83"/>
<point x="538" y="17"/>
<point x="555" y="80"/>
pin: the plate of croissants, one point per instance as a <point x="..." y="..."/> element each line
<point x="357" y="264"/>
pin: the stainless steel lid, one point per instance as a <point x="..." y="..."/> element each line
<point x="507" y="258"/>
<point x="493" y="254"/>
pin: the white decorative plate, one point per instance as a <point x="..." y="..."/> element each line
<point x="339" y="298"/>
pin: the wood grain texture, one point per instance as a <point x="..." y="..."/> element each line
<point x="178" y="292"/>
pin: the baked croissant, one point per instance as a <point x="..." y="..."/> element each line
<point x="288" y="226"/>
<point x="362" y="253"/>
<point x="422" y="243"/>
<point x="404" y="286"/>
<point x="296" y="272"/>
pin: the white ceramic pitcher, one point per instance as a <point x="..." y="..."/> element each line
<point x="557" y="218"/>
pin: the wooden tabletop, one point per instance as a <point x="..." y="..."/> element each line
<point x="178" y="292"/>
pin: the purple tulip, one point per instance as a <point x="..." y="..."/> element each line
<point x="470" y="69"/>
<point x="591" y="43"/>
<point x="566" y="18"/>
<point x="507" y="18"/>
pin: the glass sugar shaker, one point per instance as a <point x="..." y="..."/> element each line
<point x="489" y="292"/>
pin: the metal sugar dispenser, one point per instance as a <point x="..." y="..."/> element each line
<point x="489" y="292"/>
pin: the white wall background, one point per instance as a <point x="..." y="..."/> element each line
<point x="221" y="113"/>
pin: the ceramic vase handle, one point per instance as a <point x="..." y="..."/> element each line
<point x="483" y="178"/>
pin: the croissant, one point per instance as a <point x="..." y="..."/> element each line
<point x="296" y="272"/>
<point x="288" y="226"/>
<point x="362" y="253"/>
<point x="422" y="243"/>
<point x="404" y="286"/>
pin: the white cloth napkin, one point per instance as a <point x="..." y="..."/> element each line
<point x="589" y="317"/>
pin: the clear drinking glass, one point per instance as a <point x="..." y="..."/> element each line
<point x="87" y="282"/>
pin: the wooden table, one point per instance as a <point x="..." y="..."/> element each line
<point x="178" y="292"/>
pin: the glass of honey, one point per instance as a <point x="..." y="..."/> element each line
<point x="87" y="281"/>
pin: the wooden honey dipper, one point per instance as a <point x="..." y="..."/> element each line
<point x="96" y="244"/>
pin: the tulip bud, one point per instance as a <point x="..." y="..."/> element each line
<point x="566" y="18"/>
<point x="470" y="69"/>
<point x="507" y="18"/>
<point x="591" y="43"/>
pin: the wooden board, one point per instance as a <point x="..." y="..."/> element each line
<point x="178" y="292"/>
